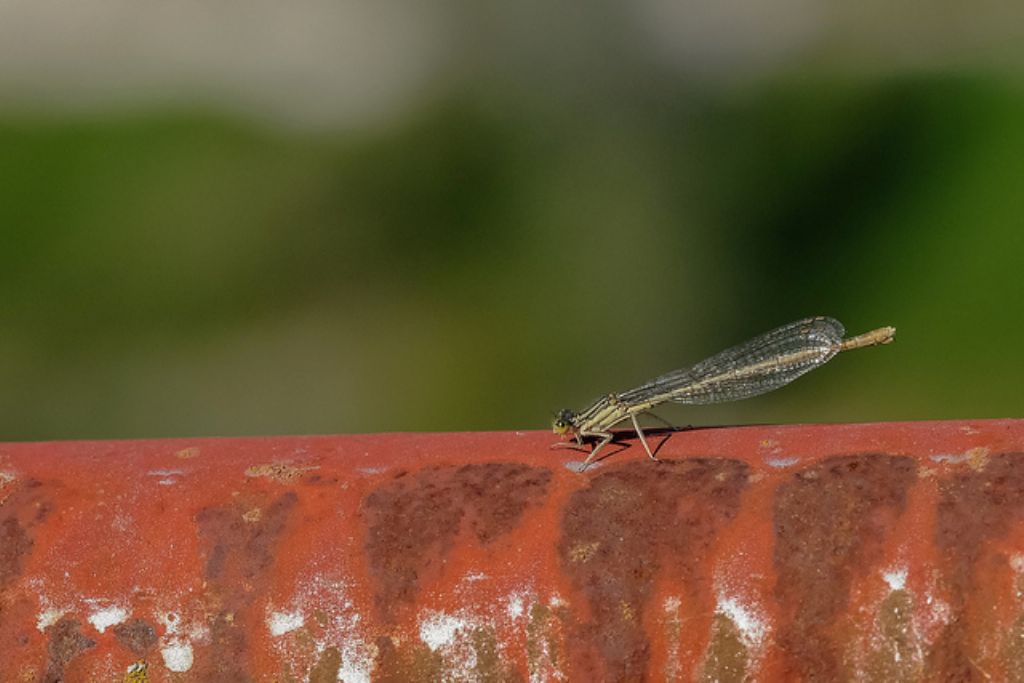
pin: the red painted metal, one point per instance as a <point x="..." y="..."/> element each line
<point x="874" y="552"/>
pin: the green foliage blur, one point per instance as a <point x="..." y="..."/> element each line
<point x="495" y="254"/>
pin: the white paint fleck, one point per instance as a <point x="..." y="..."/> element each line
<point x="6" y="478"/>
<point x="557" y="601"/>
<point x="177" y="655"/>
<point x="167" y="482"/>
<point x="352" y="670"/>
<point x="280" y="623"/>
<point x="170" y="620"/>
<point x="339" y="627"/>
<point x="102" y="619"/>
<point x="946" y="457"/>
<point x="515" y="607"/>
<point x="372" y="470"/>
<point x="48" y="617"/>
<point x="942" y="610"/>
<point x="782" y="463"/>
<point x="439" y="629"/>
<point x="672" y="604"/>
<point x="475" y="576"/>
<point x="752" y="627"/>
<point x="164" y="473"/>
<point x="1017" y="563"/>
<point x="896" y="578"/>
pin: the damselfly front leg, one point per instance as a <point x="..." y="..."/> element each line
<point x="606" y="438"/>
<point x="575" y="444"/>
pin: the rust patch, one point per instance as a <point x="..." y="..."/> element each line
<point x="239" y="554"/>
<point x="727" y="657"/>
<point x="398" y="666"/>
<point x="413" y="520"/>
<point x="830" y="522"/>
<point x="15" y="544"/>
<point x="898" y="656"/>
<point x="975" y="507"/>
<point x="137" y="635"/>
<point x="279" y="471"/>
<point x="326" y="668"/>
<point x="23" y="508"/>
<point x="490" y="667"/>
<point x="642" y="519"/>
<point x="543" y="633"/>
<point x="66" y="643"/>
<point x="1013" y="652"/>
<point x="478" y="658"/>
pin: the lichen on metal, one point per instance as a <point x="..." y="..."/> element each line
<point x="874" y="552"/>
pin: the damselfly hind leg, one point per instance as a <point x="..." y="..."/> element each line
<point x="640" y="433"/>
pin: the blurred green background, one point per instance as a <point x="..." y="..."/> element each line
<point x="246" y="218"/>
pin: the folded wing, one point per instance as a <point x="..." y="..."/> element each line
<point x="760" y="365"/>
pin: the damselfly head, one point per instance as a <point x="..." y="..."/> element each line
<point x="564" y="422"/>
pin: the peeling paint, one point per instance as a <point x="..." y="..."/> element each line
<point x="280" y="623"/>
<point x="282" y="471"/>
<point x="438" y="629"/>
<point x="516" y="606"/>
<point x="895" y="578"/>
<point x="177" y="655"/>
<point x="105" y="617"/>
<point x="751" y="627"/>
<point x="48" y="617"/>
<point x="976" y="458"/>
<point x="950" y="458"/>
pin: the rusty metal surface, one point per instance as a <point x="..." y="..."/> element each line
<point x="869" y="552"/>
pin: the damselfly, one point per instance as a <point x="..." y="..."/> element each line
<point x="758" y="366"/>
